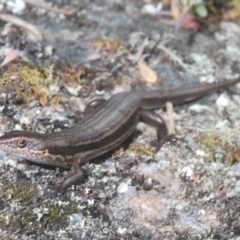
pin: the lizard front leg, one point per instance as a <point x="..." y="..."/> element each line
<point x="76" y="175"/>
<point x="92" y="106"/>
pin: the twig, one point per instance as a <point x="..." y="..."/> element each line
<point x="21" y="23"/>
<point x="188" y="68"/>
<point x="67" y="12"/>
<point x="169" y="107"/>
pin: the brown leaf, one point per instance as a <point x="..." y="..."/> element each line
<point x="9" y="57"/>
<point x="175" y="11"/>
<point x="148" y="74"/>
<point x="233" y="13"/>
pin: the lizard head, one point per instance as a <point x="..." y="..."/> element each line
<point x="20" y="143"/>
<point x="30" y="146"/>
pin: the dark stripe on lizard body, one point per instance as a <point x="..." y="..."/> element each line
<point x="105" y="128"/>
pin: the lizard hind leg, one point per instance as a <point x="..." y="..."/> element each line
<point x="159" y="124"/>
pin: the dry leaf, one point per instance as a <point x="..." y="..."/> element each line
<point x="233" y="13"/>
<point x="175" y="11"/>
<point x="194" y="177"/>
<point x="148" y="74"/>
<point x="9" y="57"/>
<point x="233" y="9"/>
<point x="166" y="2"/>
<point x="24" y="24"/>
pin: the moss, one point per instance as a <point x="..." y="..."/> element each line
<point x="24" y="82"/>
<point x="19" y="220"/>
<point x="136" y="149"/>
<point x="226" y="142"/>
<point x="58" y="215"/>
<point x="29" y="211"/>
<point x="24" y="219"/>
<point x="113" y="46"/>
<point x="20" y="193"/>
<point x="18" y="197"/>
<point x="74" y="77"/>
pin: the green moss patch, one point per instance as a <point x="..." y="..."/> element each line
<point x="224" y="142"/>
<point x="24" y="82"/>
<point x="26" y="210"/>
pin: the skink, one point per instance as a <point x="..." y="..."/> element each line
<point x="102" y="130"/>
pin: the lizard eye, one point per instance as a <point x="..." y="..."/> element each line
<point x="21" y="143"/>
